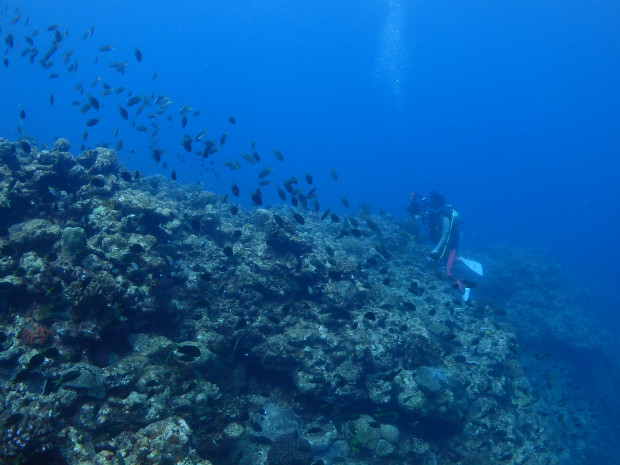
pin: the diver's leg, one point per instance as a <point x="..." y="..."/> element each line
<point x="450" y="262"/>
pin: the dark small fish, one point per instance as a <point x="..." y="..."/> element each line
<point x="187" y="142"/>
<point x="25" y="146"/>
<point x="70" y="376"/>
<point x="256" y="155"/>
<point x="22" y="114"/>
<point x="94" y="102"/>
<point x="248" y="158"/>
<point x="303" y="200"/>
<point x="155" y="75"/>
<point x="119" y="144"/>
<point x="223" y="138"/>
<point x="9" y="40"/>
<point x="233" y="165"/>
<point x="156" y="154"/>
<point x="257" y="197"/>
<point x="300" y="219"/>
<point x="281" y="193"/>
<point x="173" y="174"/>
<point x="36" y="360"/>
<point x="232" y="120"/>
<point x="14" y="418"/>
<point x="345" y="202"/>
<point x="324" y="215"/>
<point x="29" y="40"/>
<point x="288" y="185"/>
<point x="334" y="174"/>
<point x="14" y="19"/>
<point x="335" y="218"/>
<point x="84" y="135"/>
<point x="53" y="75"/>
<point x="67" y="56"/>
<point x="329" y="251"/>
<point x="5" y="61"/>
<point x="309" y="179"/>
<point x="138" y="54"/>
<point x="235" y="189"/>
<point x="106" y="48"/>
<point x="265" y="172"/>
<point x="278" y="219"/>
<point x="18" y="378"/>
<point x="234" y="209"/>
<point x="228" y="251"/>
<point x="315" y="206"/>
<point x="264" y="182"/>
<point x="51" y="99"/>
<point x="278" y="154"/>
<point x="294" y="201"/>
<point x="126" y="175"/>
<point x="123" y="113"/>
<point x="87" y="106"/>
<point x="142" y="128"/>
<point x="184" y="121"/>
<point x="132" y="101"/>
<point x="52" y="27"/>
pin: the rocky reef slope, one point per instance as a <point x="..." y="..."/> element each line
<point x="146" y="322"/>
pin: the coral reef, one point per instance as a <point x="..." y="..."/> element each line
<point x="184" y="333"/>
<point x="35" y="336"/>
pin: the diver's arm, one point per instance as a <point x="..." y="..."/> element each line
<point x="445" y="230"/>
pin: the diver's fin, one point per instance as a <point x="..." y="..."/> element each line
<point x="474" y="266"/>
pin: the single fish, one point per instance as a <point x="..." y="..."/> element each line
<point x="94" y="102"/>
<point x="278" y="154"/>
<point x="132" y="101"/>
<point x="265" y="172"/>
<point x="235" y="189"/>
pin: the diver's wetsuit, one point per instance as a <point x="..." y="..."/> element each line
<point x="449" y="240"/>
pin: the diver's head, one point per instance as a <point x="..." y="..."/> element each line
<point x="436" y="201"/>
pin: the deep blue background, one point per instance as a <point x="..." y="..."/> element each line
<point x="511" y="109"/>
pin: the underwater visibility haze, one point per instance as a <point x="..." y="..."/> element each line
<point x="207" y="255"/>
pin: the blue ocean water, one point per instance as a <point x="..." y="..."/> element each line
<point x="510" y="109"/>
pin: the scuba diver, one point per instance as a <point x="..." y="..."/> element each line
<point x="443" y="226"/>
